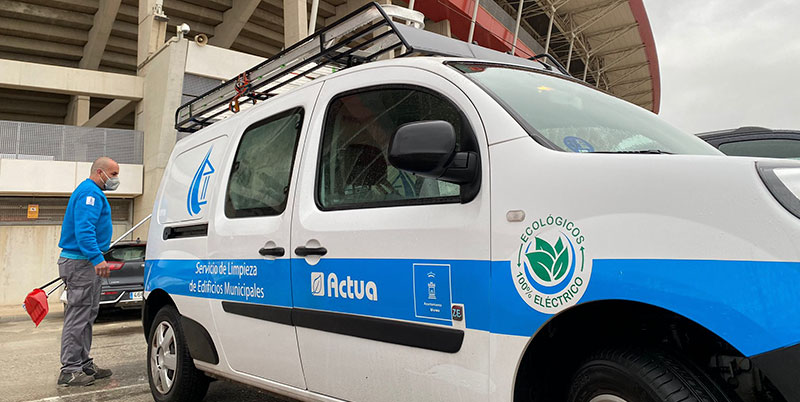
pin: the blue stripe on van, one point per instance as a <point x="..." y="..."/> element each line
<point x="252" y="281"/>
<point x="754" y="305"/>
<point x="751" y="304"/>
<point x="393" y="280"/>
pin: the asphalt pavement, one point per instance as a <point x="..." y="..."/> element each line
<point x="29" y="362"/>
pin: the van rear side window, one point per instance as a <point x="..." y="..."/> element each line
<point x="262" y="168"/>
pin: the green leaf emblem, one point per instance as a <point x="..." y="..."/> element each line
<point x="549" y="262"/>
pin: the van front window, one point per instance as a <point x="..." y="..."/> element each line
<point x="577" y="118"/>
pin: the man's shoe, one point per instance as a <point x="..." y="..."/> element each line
<point x="96" y="372"/>
<point x="77" y="378"/>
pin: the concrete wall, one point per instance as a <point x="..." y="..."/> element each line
<point x="218" y="63"/>
<point x="28" y="256"/>
<point x="54" y="178"/>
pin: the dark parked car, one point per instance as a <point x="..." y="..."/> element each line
<point x="123" y="287"/>
<point x="755" y="141"/>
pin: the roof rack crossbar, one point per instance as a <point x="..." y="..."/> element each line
<point x="337" y="56"/>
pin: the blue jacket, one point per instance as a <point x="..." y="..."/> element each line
<point x="86" y="231"/>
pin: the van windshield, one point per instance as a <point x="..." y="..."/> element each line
<point x="577" y="118"/>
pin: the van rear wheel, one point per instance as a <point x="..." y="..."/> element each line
<point x="636" y="375"/>
<point x="170" y="370"/>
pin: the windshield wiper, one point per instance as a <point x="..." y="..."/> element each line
<point x="643" y="151"/>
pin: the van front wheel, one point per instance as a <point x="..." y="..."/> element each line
<point x="171" y="371"/>
<point x="634" y="375"/>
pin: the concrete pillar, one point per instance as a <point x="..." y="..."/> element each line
<point x="152" y="29"/>
<point x="295" y="21"/>
<point x="155" y="116"/>
<point x="77" y="110"/>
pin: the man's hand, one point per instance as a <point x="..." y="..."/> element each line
<point x="101" y="269"/>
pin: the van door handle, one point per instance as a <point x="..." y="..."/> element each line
<point x="306" y="251"/>
<point x="272" y="251"/>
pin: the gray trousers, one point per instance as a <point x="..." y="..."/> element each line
<point x="83" y="303"/>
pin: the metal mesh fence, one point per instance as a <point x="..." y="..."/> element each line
<point x="38" y="141"/>
<point x="195" y="85"/>
<point x="8" y="137"/>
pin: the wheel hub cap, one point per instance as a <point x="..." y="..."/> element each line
<point x="163" y="357"/>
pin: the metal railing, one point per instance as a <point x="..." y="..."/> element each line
<point x="39" y="141"/>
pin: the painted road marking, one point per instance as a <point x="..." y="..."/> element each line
<point x="82" y="394"/>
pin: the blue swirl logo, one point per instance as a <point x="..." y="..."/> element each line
<point x="198" y="190"/>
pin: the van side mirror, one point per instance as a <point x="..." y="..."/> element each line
<point x="428" y="149"/>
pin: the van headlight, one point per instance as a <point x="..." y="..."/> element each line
<point x="783" y="181"/>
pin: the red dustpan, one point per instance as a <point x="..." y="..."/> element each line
<point x="36" y="302"/>
<point x="36" y="305"/>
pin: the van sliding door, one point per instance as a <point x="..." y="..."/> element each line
<point x="249" y="238"/>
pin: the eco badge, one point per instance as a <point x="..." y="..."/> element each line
<point x="551" y="271"/>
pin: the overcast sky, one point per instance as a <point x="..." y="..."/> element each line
<point x="728" y="63"/>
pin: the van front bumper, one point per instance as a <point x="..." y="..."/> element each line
<point x="782" y="366"/>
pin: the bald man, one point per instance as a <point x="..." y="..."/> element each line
<point x="85" y="236"/>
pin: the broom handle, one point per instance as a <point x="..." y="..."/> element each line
<point x="55" y="288"/>
<point x="131" y="230"/>
<point x="50" y="283"/>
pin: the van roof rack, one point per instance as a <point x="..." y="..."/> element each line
<point x="360" y="37"/>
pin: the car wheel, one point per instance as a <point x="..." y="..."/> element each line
<point x="638" y="375"/>
<point x="171" y="371"/>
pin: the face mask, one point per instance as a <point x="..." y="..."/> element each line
<point x="111" y="183"/>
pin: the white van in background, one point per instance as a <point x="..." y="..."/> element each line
<point x="464" y="229"/>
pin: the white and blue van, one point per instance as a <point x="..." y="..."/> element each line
<point x="475" y="227"/>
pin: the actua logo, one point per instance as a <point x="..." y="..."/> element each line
<point x="550" y="270"/>
<point x="347" y="288"/>
<point x="198" y="190"/>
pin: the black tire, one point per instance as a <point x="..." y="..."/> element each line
<point x="639" y="375"/>
<point x="188" y="383"/>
